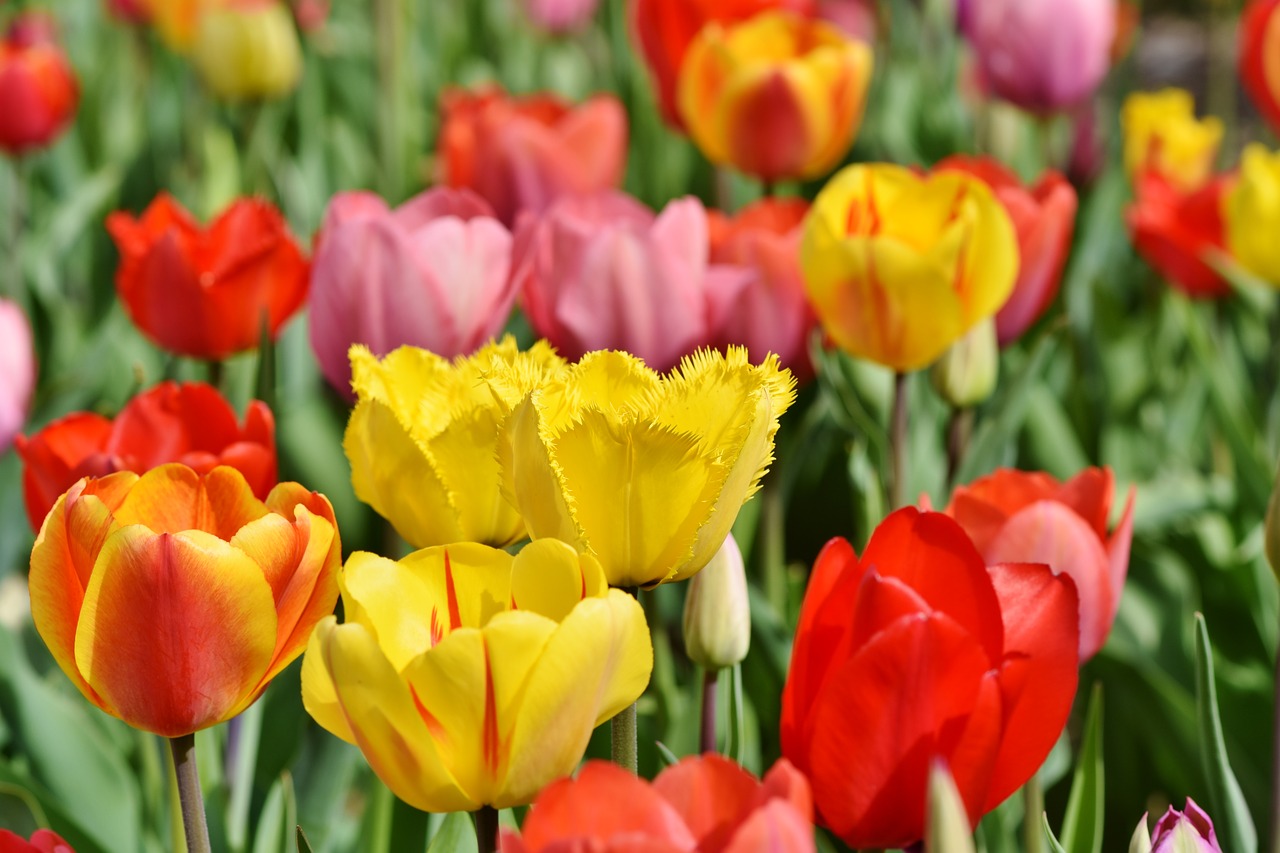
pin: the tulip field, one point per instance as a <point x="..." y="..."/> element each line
<point x="639" y="425"/>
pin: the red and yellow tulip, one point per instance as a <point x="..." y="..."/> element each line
<point x="1163" y="135"/>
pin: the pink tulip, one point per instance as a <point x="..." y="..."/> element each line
<point x="434" y="273"/>
<point x="559" y="16"/>
<point x="768" y="311"/>
<point x="1042" y="55"/>
<point x="17" y="371"/>
<point x="602" y="272"/>
<point x="1189" y="830"/>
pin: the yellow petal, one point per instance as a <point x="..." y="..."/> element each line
<point x="532" y="481"/>
<point x="466" y="460"/>
<point x="549" y="577"/>
<point x="319" y="696"/>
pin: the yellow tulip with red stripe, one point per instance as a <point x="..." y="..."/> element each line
<point x="172" y="599"/>
<point x="645" y="472"/>
<point x="899" y="265"/>
<point x="1163" y="135"/>
<point x="469" y="677"/>
<point x="1251" y="209"/>
<point x="777" y="96"/>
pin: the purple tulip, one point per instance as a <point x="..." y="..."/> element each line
<point x="1177" y="832"/>
<point x="17" y="371"/>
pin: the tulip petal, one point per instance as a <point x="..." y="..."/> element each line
<point x="549" y="577"/>
<point x="174" y="498"/>
<point x="775" y="827"/>
<point x="711" y="793"/>
<point x="319" y="695"/>
<point x="533" y="482"/>
<point x="465" y="454"/>
<point x="1118" y="551"/>
<point x="176" y="629"/>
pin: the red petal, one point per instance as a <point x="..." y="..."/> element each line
<point x="711" y="793"/>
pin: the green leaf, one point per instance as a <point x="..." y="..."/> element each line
<point x="456" y="835"/>
<point x="304" y="846"/>
<point x="1231" y="815"/>
<point x="1082" y="826"/>
<point x="1055" y="846"/>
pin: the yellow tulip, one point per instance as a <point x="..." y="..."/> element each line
<point x="1163" y="135"/>
<point x="176" y="20"/>
<point x="778" y="95"/>
<point x="645" y="472"/>
<point x="1251" y="208"/>
<point x="899" y="266"/>
<point x="423" y="438"/>
<point x="469" y="677"/>
<point x="247" y="49"/>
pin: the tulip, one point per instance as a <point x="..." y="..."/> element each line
<point x="1021" y="517"/>
<point x="434" y="273"/>
<point x="172" y="599"/>
<point x="42" y="841"/>
<point x="645" y="472"/>
<point x="177" y="21"/>
<point x="471" y="678"/>
<point x="1177" y="233"/>
<point x="129" y="11"/>
<point x="601" y="272"/>
<point x="247" y="49"/>
<point x="1189" y="831"/>
<point x="899" y="266"/>
<point x="38" y="88"/>
<point x="1259" y="44"/>
<point x="524" y="153"/>
<point x="310" y="15"/>
<point x="424" y="434"/>
<point x="1041" y="55"/>
<point x="17" y="371"/>
<point x="919" y="653"/>
<point x="560" y="16"/>
<point x="706" y="803"/>
<point x="663" y="30"/>
<point x="717" y="612"/>
<point x="1251" y="207"/>
<point x="1163" y="135"/>
<point x="1044" y="218"/>
<point x="768" y="310"/>
<point x="208" y="292"/>
<point x="190" y="423"/>
<point x="777" y="96"/>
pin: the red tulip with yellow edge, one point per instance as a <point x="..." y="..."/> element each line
<point x="900" y="265"/>
<point x="172" y="599"/>
<point x="1163" y="136"/>
<point x="1260" y="57"/>
<point x="777" y="96"/>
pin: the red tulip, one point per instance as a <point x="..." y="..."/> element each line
<point x="42" y="841"/>
<point x="1017" y="516"/>
<point x="206" y="292"/>
<point x="1044" y="217"/>
<point x="1175" y="231"/>
<point x="1259" y="49"/>
<point x="38" y="88"/>
<point x="918" y="652"/>
<point x="524" y="153"/>
<point x="189" y="423"/>
<point x="129" y="11"/>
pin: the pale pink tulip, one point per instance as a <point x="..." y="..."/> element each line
<point x="602" y="272"/>
<point x="434" y="273"/>
<point x="560" y="16"/>
<point x="17" y="371"/>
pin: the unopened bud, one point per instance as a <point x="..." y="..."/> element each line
<point x="947" y="830"/>
<point x="717" y="616"/>
<point x="1141" y="840"/>
<point x="247" y="50"/>
<point x="966" y="373"/>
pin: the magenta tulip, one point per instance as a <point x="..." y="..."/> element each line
<point x="433" y="273"/>
<point x="17" y="371"/>
<point x="560" y="16"/>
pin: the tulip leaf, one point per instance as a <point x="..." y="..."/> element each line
<point x="1082" y="827"/>
<point x="1055" y="846"/>
<point x="304" y="846"/>
<point x="1232" y="819"/>
<point x="457" y="834"/>
<point x="279" y="812"/>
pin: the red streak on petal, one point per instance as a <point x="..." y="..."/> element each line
<point x="455" y="618"/>
<point x="492" y="743"/>
<point x="433" y="725"/>
<point x="437" y="632"/>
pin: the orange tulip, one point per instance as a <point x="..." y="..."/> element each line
<point x="1260" y="57"/>
<point x="172" y="599"/>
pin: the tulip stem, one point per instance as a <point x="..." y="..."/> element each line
<point x="486" y="829"/>
<point x="710" y="678"/>
<point x="624" y="745"/>
<point x="1033" y="808"/>
<point x="959" y="429"/>
<point x="184" y="764"/>
<point x="898" y="441"/>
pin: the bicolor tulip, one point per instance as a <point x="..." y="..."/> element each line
<point x="777" y="96"/>
<point x="172" y="599"/>
<point x="900" y="265"/>
<point x="1260" y="57"/>
<point x="1163" y="135"/>
<point x="41" y="841"/>
<point x="38" y="89"/>
<point x="560" y="16"/>
<point x="423" y="438"/>
<point x="208" y="292"/>
<point x="471" y="678"/>
<point x="1041" y="55"/>
<point x="17" y="371"/>
<point x="704" y="803"/>
<point x="189" y="423"/>
<point x="1177" y="233"/>
<point x="247" y="49"/>
<point x="1044" y="218"/>
<point x="433" y="273"/>
<point x="920" y="652"/>
<point x="1187" y="831"/>
<point x="1024" y="517"/>
<point x="523" y="153"/>
<point x="767" y="311"/>
<point x="1251" y="206"/>
<point x="602" y="272"/>
<point x="177" y="21"/>
<point x="645" y="472"/>
<point x="717" y="611"/>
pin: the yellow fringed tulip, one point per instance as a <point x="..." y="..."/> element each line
<point x="1163" y="135"/>
<point x="469" y="677"/>
<point x="1252" y="212"/>
<point x="899" y="266"/>
<point x="423" y="438"/>
<point x="645" y="472"/>
<point x="247" y="49"/>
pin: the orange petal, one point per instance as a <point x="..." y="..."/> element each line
<point x="173" y="498"/>
<point x="711" y="793"/>
<point x="176" y="631"/>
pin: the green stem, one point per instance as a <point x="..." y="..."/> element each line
<point x="193" y="819"/>
<point x="624" y="744"/>
<point x="387" y="20"/>
<point x="1033" y="808"/>
<point x="11" y="287"/>
<point x="898" y="441"/>
<point x="707" y="742"/>
<point x="773" y="535"/>
<point x="959" y="428"/>
<point x="486" y="829"/>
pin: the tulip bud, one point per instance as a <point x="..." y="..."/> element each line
<point x="947" y="830"/>
<point x="1187" y="831"/>
<point x="717" y="617"/>
<point x="966" y="373"/>
<point x="248" y="49"/>
<point x="1141" y="840"/>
